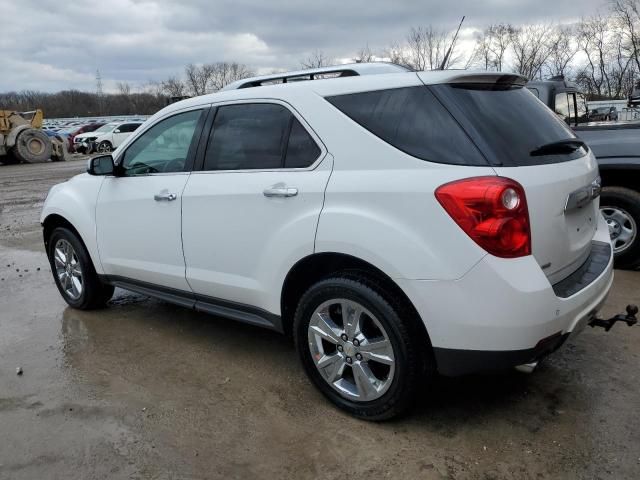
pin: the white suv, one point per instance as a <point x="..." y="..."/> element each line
<point x="106" y="138"/>
<point x="397" y="224"/>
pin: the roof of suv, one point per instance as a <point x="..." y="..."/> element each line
<point x="359" y="77"/>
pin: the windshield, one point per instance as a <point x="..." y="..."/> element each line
<point x="106" y="128"/>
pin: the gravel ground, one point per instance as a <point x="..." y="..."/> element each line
<point x="143" y="389"/>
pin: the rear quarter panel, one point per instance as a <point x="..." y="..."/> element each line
<point x="380" y="204"/>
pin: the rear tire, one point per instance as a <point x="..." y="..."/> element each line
<point x="32" y="146"/>
<point x="396" y="374"/>
<point x="621" y="208"/>
<point x="74" y="273"/>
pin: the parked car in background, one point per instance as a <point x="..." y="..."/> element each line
<point x="89" y="127"/>
<point x="106" y="138"/>
<point x="617" y="149"/>
<point x="395" y="223"/>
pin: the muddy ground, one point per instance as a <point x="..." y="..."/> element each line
<point x="144" y="389"/>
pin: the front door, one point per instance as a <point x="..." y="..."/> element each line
<point x="254" y="207"/>
<point x="138" y="214"/>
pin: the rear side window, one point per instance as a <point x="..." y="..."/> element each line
<point x="302" y="150"/>
<point x="412" y="120"/>
<point x="509" y="122"/>
<point x="258" y="136"/>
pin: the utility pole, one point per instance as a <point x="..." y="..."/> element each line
<point x="99" y="91"/>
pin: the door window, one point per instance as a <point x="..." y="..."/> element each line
<point x="572" y="108"/>
<point x="128" y="127"/>
<point x="562" y="107"/>
<point x="258" y="136"/>
<point x="164" y="147"/>
<point x="302" y="150"/>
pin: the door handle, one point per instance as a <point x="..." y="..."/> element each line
<point x="165" y="197"/>
<point x="280" y="192"/>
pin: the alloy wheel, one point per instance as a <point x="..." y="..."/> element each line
<point x="68" y="269"/>
<point x="351" y="350"/>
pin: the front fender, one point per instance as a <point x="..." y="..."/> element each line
<point x="75" y="201"/>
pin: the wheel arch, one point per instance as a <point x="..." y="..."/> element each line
<point x="55" y="220"/>
<point x="628" y="177"/>
<point x="318" y="266"/>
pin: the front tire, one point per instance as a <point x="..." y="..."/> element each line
<point x="360" y="347"/>
<point x="621" y="209"/>
<point x="104" y="147"/>
<point x="33" y="146"/>
<point x="74" y="273"/>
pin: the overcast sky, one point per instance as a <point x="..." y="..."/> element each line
<point x="56" y="44"/>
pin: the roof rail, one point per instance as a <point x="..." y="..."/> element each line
<point x="334" y="71"/>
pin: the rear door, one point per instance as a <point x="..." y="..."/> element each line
<point x="254" y="206"/>
<point x="517" y="133"/>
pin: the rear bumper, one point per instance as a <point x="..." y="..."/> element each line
<point x="504" y="312"/>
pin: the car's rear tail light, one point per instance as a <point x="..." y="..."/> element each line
<point x="492" y="211"/>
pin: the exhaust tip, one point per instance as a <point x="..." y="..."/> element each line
<point x="526" y="367"/>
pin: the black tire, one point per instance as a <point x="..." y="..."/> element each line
<point x="410" y="349"/>
<point x="629" y="201"/>
<point x="32" y="146"/>
<point x="104" y="147"/>
<point x="95" y="294"/>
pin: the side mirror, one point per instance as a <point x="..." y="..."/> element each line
<point x="117" y="130"/>
<point x="101" y="165"/>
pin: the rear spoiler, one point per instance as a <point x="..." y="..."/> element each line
<point x="490" y="78"/>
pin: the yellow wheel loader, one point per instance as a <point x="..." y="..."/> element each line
<point x="23" y="141"/>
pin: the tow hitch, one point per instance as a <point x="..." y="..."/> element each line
<point x="630" y="319"/>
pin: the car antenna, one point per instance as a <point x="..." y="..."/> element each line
<point x="453" y="42"/>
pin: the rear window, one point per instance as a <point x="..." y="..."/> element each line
<point x="412" y="120"/>
<point x="508" y="123"/>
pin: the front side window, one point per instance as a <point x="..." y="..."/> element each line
<point x="258" y="136"/>
<point x="164" y="147"/>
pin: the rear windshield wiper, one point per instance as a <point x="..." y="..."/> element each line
<point x="569" y="145"/>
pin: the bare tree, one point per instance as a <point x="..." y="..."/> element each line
<point x="198" y="78"/>
<point x="124" y="88"/>
<point x="531" y="49"/>
<point x="492" y="45"/>
<point x="627" y="16"/>
<point x="426" y="48"/>
<point x="364" y="55"/>
<point x="594" y="43"/>
<point x="225" y="73"/>
<point x="563" y="47"/>
<point x="173" y="87"/>
<point x="395" y="54"/>
<point x="317" y="59"/>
